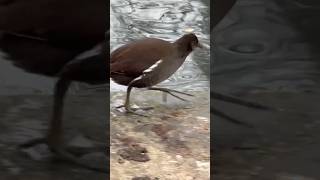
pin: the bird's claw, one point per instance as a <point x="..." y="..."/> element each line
<point x="133" y="110"/>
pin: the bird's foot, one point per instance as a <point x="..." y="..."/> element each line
<point x="171" y="92"/>
<point x="133" y="110"/>
<point x="62" y="153"/>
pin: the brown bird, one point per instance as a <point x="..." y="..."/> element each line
<point x="147" y="62"/>
<point x="52" y="38"/>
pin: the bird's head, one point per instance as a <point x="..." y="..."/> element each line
<point x="188" y="42"/>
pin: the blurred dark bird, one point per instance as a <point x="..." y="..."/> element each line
<point x="56" y="38"/>
<point x="147" y="62"/>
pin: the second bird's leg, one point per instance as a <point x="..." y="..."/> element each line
<point x="54" y="138"/>
<point x="54" y="135"/>
<point x="171" y="92"/>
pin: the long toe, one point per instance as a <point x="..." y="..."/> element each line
<point x="121" y="106"/>
<point x="132" y="111"/>
<point x="179" y="92"/>
<point x="142" y="108"/>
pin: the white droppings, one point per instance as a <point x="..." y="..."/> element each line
<point x="203" y="165"/>
<point x="202" y="118"/>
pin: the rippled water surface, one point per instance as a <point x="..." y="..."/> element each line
<point x="168" y="20"/>
<point x="259" y="46"/>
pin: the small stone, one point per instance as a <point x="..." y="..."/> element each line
<point x="120" y="161"/>
<point x="179" y="157"/>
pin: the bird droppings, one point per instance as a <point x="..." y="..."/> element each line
<point x="177" y="145"/>
<point x="134" y="153"/>
<point x="161" y="130"/>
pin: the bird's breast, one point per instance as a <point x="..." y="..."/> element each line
<point x="158" y="72"/>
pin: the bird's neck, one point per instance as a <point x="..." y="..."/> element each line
<point x="183" y="48"/>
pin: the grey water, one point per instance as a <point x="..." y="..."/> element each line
<point x="260" y="48"/>
<point x="166" y="19"/>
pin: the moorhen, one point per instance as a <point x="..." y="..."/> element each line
<point x="147" y="62"/>
<point x="52" y="38"/>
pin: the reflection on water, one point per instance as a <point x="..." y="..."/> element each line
<point x="168" y="20"/>
<point x="269" y="46"/>
<point x="258" y="48"/>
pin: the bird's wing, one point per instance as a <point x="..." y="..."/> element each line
<point x="40" y="36"/>
<point x="55" y="18"/>
<point x="133" y="59"/>
<point x="34" y="55"/>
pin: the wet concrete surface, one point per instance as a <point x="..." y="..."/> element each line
<point x="172" y="143"/>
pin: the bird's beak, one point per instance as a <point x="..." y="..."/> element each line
<point x="203" y="46"/>
<point x="195" y="46"/>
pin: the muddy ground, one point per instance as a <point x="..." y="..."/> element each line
<point x="172" y="143"/>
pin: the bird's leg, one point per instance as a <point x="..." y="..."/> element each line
<point x="171" y="92"/>
<point x="55" y="132"/>
<point x="54" y="138"/>
<point x="127" y="104"/>
<point x="54" y="135"/>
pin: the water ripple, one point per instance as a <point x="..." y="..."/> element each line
<point x="168" y="20"/>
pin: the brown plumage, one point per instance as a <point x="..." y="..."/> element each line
<point x="149" y="61"/>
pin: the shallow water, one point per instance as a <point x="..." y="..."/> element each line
<point x="168" y="20"/>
